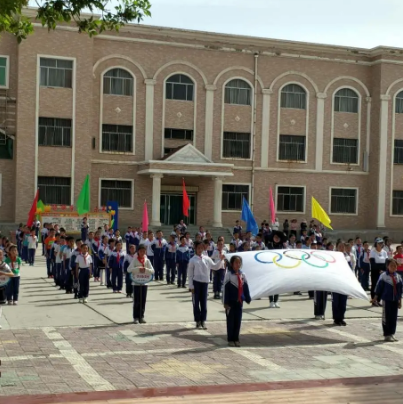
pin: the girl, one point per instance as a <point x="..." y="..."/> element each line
<point x="4" y="271"/>
<point x="101" y="260"/>
<point x="83" y="273"/>
<point x="13" y="286"/>
<point x="377" y="259"/>
<point x="339" y="301"/>
<point x="276" y="242"/>
<point x="32" y="244"/>
<point x="365" y="266"/>
<point x="199" y="276"/>
<point x="388" y="247"/>
<point x="116" y="263"/>
<point x="389" y="289"/>
<point x="140" y="264"/>
<point x="126" y="263"/>
<point x="236" y="291"/>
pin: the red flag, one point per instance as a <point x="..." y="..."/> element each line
<point x="32" y="212"/>
<point x="272" y="207"/>
<point x="186" y="201"/>
<point x="145" y="217"/>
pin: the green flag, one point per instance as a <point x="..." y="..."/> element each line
<point x="40" y="205"/>
<point x="83" y="201"/>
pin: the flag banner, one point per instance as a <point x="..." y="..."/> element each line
<point x="319" y="213"/>
<point x="273" y="272"/>
<point x="145" y="217"/>
<point x="247" y="216"/>
<point x="185" y="201"/>
<point x="272" y="207"/>
<point x="83" y="201"/>
<point x="32" y="212"/>
<point x="113" y="210"/>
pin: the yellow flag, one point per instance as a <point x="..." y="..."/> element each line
<point x="318" y="213"/>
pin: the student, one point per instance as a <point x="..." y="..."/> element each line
<point x="389" y="289"/>
<point x="399" y="259"/>
<point x="48" y="246"/>
<point x="67" y="275"/>
<point x="102" y="260"/>
<point x="140" y="264"/>
<point x="199" y="275"/>
<point x="73" y="260"/>
<point x="44" y="234"/>
<point x="148" y="244"/>
<point x="83" y="273"/>
<point x="235" y="292"/>
<point x="202" y="233"/>
<point x="377" y="259"/>
<point x="339" y="301"/>
<point x="58" y="260"/>
<point x="95" y="246"/>
<point x="118" y="237"/>
<point x="32" y="244"/>
<point x="25" y="244"/>
<point x="126" y="263"/>
<point x="218" y="275"/>
<point x="108" y="251"/>
<point x="237" y="228"/>
<point x="182" y="227"/>
<point x="13" y="286"/>
<point x="84" y="229"/>
<point x="388" y="247"/>
<point x="4" y="271"/>
<point x="182" y="262"/>
<point x="127" y="237"/>
<point x="115" y="262"/>
<point x="170" y="260"/>
<point x="365" y="265"/>
<point x="158" y="247"/>
<point x="259" y="244"/>
<point x="276" y="242"/>
<point x="286" y="227"/>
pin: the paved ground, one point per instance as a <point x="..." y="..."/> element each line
<point x="51" y="344"/>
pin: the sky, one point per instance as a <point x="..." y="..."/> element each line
<point x="355" y="23"/>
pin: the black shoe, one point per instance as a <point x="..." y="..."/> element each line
<point x="343" y="323"/>
<point x="75" y="297"/>
<point x="183" y="286"/>
<point x="198" y="324"/>
<point x="142" y="321"/>
<point x="297" y="294"/>
<point x="179" y="286"/>
<point x="203" y="324"/>
<point x="338" y="323"/>
<point x="135" y="321"/>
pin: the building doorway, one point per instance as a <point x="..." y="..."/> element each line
<point x="171" y="209"/>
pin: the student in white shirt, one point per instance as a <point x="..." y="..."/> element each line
<point x="32" y="244"/>
<point x="218" y="276"/>
<point x="148" y="245"/>
<point x="83" y="273"/>
<point x="108" y="251"/>
<point x="199" y="276"/>
<point x="44" y="234"/>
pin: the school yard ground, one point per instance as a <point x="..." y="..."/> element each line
<point x="55" y="350"/>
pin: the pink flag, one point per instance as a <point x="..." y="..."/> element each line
<point x="272" y="207"/>
<point x="145" y="217"/>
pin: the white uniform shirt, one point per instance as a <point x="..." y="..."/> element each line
<point x="68" y="252"/>
<point x="379" y="257"/>
<point x="84" y="263"/>
<point x="199" y="269"/>
<point x="56" y="249"/>
<point x="32" y="241"/>
<point x="148" y="244"/>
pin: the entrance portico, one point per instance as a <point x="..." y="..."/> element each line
<point x="186" y="162"/>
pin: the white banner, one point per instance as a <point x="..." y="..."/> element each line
<point x="273" y="272"/>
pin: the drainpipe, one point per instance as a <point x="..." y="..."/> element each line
<point x="254" y="134"/>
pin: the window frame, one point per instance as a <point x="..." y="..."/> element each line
<point x="288" y="211"/>
<point x="64" y="127"/>
<point x="251" y="95"/>
<point x="73" y="70"/>
<point x="394" y="151"/>
<point x="236" y="158"/>
<point x="292" y="161"/>
<point x="248" y="184"/>
<point x="175" y="138"/>
<point x="357" y="198"/>
<point x="303" y="88"/>
<point x="53" y="203"/>
<point x="7" y="83"/>
<point x="358" y="101"/>
<point x="166" y="82"/>
<point x="345" y="164"/>
<point x="133" y="79"/>
<point x="117" y="179"/>
<point x="115" y="151"/>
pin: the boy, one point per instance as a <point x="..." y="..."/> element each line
<point x="48" y="248"/>
<point x="44" y="234"/>
<point x="115" y="262"/>
<point x="83" y="273"/>
<point x="159" y="246"/>
<point x="25" y="243"/>
<point x="13" y="286"/>
<point x="84" y="229"/>
<point x="399" y="259"/>
<point x="32" y="244"/>
<point x="148" y="244"/>
<point x="365" y="266"/>
<point x="237" y="228"/>
<point x="73" y="260"/>
<point x="57" y="248"/>
<point x="108" y="251"/>
<point x="67" y="274"/>
<point x="101" y="260"/>
<point x="96" y="244"/>
<point x="170" y="260"/>
<point x="218" y="275"/>
<point x="127" y="237"/>
<point x="126" y="263"/>
<point x="182" y="261"/>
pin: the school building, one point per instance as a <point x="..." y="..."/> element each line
<point x="142" y="109"/>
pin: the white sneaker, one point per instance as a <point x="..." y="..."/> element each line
<point x="318" y="317"/>
<point x="277" y="305"/>
<point x="272" y="305"/>
<point x="85" y="300"/>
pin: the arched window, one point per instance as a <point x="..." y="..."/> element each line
<point x="399" y="103"/>
<point x="293" y="96"/>
<point x="346" y="100"/>
<point x="118" y="82"/>
<point x="238" y="92"/>
<point x="179" y="87"/>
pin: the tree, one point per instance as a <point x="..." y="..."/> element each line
<point x="53" y="12"/>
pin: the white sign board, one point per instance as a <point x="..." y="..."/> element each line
<point x="72" y="221"/>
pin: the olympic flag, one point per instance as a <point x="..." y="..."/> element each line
<point x="272" y="272"/>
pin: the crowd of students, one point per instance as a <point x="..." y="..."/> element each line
<point x="100" y="255"/>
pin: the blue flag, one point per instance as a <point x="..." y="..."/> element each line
<point x="247" y="216"/>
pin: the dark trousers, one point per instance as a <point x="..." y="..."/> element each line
<point x="49" y="266"/>
<point x="339" y="305"/>
<point x="389" y="317"/>
<point x="117" y="279"/>
<point x="139" y="301"/>
<point x="25" y="253"/>
<point x="218" y="279"/>
<point x="43" y="246"/>
<point x="129" y="286"/>
<point x="151" y="259"/>
<point x="31" y="255"/>
<point x="159" y="269"/>
<point x="84" y="282"/>
<point x="273" y="299"/>
<point x="374" y="280"/>
<point x="84" y="234"/>
<point x="68" y="280"/>
<point x="320" y="300"/>
<point x="364" y="278"/>
<point x="171" y="269"/>
<point x="108" y="277"/>
<point x="200" y="301"/>
<point x="58" y="276"/>
<point x="63" y="275"/>
<point x="234" y="319"/>
<point x="311" y="294"/>
<point x="182" y="273"/>
<point x="13" y="288"/>
<point x="95" y="266"/>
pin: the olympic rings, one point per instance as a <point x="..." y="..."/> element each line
<point x="283" y="266"/>
<point x="321" y="257"/>
<point x="312" y="265"/>
<point x="280" y="257"/>
<point x="295" y="258"/>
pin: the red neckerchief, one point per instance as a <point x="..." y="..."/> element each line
<point x="142" y="261"/>
<point x="97" y="241"/>
<point x="394" y="284"/>
<point x="85" y="258"/>
<point x="118" y="256"/>
<point x="240" y="287"/>
<point x="160" y="243"/>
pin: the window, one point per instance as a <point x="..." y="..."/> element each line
<point x="292" y="148"/>
<point x="118" y="82"/>
<point x="345" y="151"/>
<point x="183" y="134"/>
<point x="397" y="203"/>
<point x="54" y="132"/>
<point x="56" y="73"/>
<point x="238" y="92"/>
<point x="346" y="100"/>
<point x="168" y="150"/>
<point x="179" y="87"/>
<point x="290" y="199"/>
<point x="293" y="96"/>
<point x="117" y="190"/>
<point x="399" y="103"/>
<point x="343" y="201"/>
<point x="398" y="152"/>
<point x="6" y="146"/>
<point x="117" y="138"/>
<point x="3" y="72"/>
<point x="236" y="145"/>
<point x="54" y="190"/>
<point x="232" y="196"/>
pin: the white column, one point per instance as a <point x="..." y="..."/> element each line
<point x="149" y="133"/>
<point x="320" y="120"/>
<point x="208" y="137"/>
<point x="156" y="207"/>
<point x="383" y="144"/>
<point x="217" y="221"/>
<point x="265" y="127"/>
